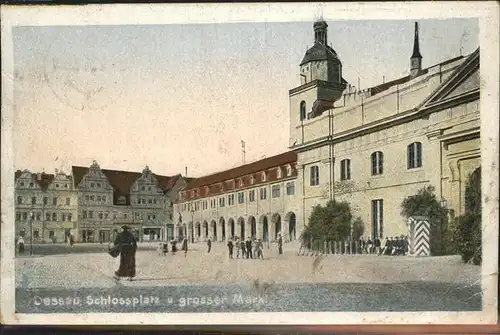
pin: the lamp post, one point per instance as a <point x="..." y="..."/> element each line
<point x="141" y="230"/>
<point x="31" y="233"/>
<point x="192" y="224"/>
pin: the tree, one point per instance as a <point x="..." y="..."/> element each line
<point x="467" y="234"/>
<point x="358" y="229"/>
<point x="331" y="222"/>
<point x="425" y="203"/>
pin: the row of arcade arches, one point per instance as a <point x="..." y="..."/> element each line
<point x="266" y="228"/>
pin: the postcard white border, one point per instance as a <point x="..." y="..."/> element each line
<point x="143" y="14"/>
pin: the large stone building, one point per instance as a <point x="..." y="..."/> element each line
<point x="108" y="199"/>
<point x="46" y="205"/>
<point x="254" y="200"/>
<point x="371" y="147"/>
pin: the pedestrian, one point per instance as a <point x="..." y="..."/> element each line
<point x="248" y="246"/>
<point x="377" y="244"/>
<point x="173" y="243"/>
<point x="260" y="249"/>
<point x="185" y="246"/>
<point x="20" y="243"/>
<point x="230" y="247"/>
<point x="280" y="244"/>
<point x="71" y="240"/>
<point x="243" y="248"/>
<point x="255" y="248"/>
<point x="127" y="245"/>
<point x="237" y="247"/>
<point x="209" y="245"/>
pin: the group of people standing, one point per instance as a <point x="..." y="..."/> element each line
<point x="394" y="246"/>
<point x="250" y="248"/>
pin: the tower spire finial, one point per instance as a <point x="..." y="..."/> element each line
<point x="416" y="57"/>
<point x="416" y="45"/>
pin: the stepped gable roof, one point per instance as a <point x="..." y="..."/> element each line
<point x="44" y="181"/>
<point x="383" y="87"/>
<point x="122" y="181"/>
<point x="240" y="171"/>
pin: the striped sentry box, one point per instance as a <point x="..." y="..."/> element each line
<point x="420" y="235"/>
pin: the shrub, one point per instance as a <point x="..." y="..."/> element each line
<point x="358" y="229"/>
<point x="468" y="227"/>
<point x="425" y="203"/>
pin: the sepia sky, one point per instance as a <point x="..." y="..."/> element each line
<point x="171" y="96"/>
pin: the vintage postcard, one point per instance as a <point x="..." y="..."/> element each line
<point x="250" y="163"/>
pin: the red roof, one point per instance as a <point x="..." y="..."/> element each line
<point x="122" y="181"/>
<point x="44" y="181"/>
<point x="230" y="179"/>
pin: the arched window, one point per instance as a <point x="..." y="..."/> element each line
<point x="278" y="173"/>
<point x="345" y="169"/>
<point x="377" y="163"/>
<point x="302" y="110"/>
<point x="415" y="155"/>
<point x="263" y="176"/>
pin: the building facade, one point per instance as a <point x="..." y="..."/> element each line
<point x="93" y="203"/>
<point x="257" y="200"/>
<point x="108" y="199"/>
<point x="371" y="148"/>
<point x="46" y="206"/>
<point x="375" y="147"/>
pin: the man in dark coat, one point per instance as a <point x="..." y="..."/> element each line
<point x="248" y="246"/>
<point x="230" y="246"/>
<point x="127" y="245"/>
<point x="209" y="245"/>
<point x="280" y="244"/>
<point x="185" y="246"/>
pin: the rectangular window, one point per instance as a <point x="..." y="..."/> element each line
<point x="221" y="202"/>
<point x="54" y="201"/>
<point x="25" y="216"/>
<point x="91" y="184"/>
<point x="18" y="216"/>
<point x="36" y="234"/>
<point x="251" y="196"/>
<point x="19" y="200"/>
<point x="378" y="218"/>
<point x="103" y="198"/>
<point x="100" y="216"/>
<point x="39" y="217"/>
<point x="45" y="200"/>
<point x="150" y="201"/>
<point x="47" y="216"/>
<point x="63" y="217"/>
<point x="51" y="234"/>
<point x="230" y="200"/>
<point x="377" y="163"/>
<point x="87" y="197"/>
<point x="68" y="201"/>
<point x="92" y="198"/>
<point x="345" y="169"/>
<point x="276" y="191"/>
<point x="290" y="188"/>
<point x="98" y="198"/>
<point x="263" y="193"/>
<point x="54" y="216"/>
<point x="84" y="214"/>
<point x="33" y="200"/>
<point x="98" y="185"/>
<point x="241" y="197"/>
<point x="414" y="155"/>
<point x="69" y="217"/>
<point x="31" y="184"/>
<point x="314" y="175"/>
<point x="91" y="214"/>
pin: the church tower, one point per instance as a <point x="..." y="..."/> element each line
<point x="321" y="83"/>
<point x="416" y="57"/>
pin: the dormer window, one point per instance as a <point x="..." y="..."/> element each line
<point x="288" y="170"/>
<point x="240" y="182"/>
<point x="263" y="176"/>
<point x="278" y="173"/>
